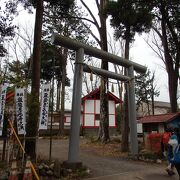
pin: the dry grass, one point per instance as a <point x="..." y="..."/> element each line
<point x="111" y="149"/>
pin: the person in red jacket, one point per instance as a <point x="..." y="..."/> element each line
<point x="164" y="148"/>
<point x="164" y="141"/>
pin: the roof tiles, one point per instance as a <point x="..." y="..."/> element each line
<point x="159" y="118"/>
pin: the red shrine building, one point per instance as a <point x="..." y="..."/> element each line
<point x="90" y="112"/>
<point x="91" y="109"/>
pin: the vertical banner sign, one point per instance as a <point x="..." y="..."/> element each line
<point x="43" y="121"/>
<point x="2" y="105"/>
<point x="20" y="110"/>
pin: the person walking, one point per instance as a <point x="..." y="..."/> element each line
<point x="172" y="143"/>
<point x="173" y="154"/>
<point x="164" y="146"/>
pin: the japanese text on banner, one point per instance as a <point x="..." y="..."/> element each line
<point x="2" y="105"/>
<point x="20" y="110"/>
<point x="43" y="122"/>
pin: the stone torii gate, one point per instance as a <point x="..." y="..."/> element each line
<point x="81" y="49"/>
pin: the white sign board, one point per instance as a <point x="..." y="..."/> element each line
<point x="20" y="110"/>
<point x="2" y="105"/>
<point x="43" y="122"/>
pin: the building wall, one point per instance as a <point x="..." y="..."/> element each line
<point x="89" y="110"/>
<point x="94" y="132"/>
<point x="91" y="113"/>
<point x="67" y="119"/>
<point x="150" y="127"/>
<point x="161" y="128"/>
<point x="159" y="108"/>
<point x="153" y="127"/>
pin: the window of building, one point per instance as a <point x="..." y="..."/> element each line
<point x="97" y="117"/>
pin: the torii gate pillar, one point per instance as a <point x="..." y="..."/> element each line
<point x="73" y="155"/>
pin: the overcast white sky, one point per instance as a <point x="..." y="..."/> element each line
<point x="140" y="53"/>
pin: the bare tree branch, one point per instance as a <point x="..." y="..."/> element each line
<point x="98" y="5"/>
<point x="159" y="50"/>
<point x="92" y="34"/>
<point x="91" y="14"/>
<point x="70" y="17"/>
<point x="158" y="33"/>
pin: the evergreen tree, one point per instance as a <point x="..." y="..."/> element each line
<point x="17" y="73"/>
<point x="145" y="90"/>
<point x="34" y="104"/>
<point x="6" y="29"/>
<point x="127" y="18"/>
<point x="69" y="24"/>
<point x="7" y="13"/>
<point x="133" y="16"/>
<point x="34" y="109"/>
<point x="51" y="63"/>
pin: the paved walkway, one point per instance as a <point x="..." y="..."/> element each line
<point x="107" y="168"/>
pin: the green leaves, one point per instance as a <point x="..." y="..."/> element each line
<point x="6" y="26"/>
<point x="134" y="14"/>
<point x="144" y="88"/>
<point x="17" y="73"/>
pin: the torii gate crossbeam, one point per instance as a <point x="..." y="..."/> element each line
<point x="95" y="52"/>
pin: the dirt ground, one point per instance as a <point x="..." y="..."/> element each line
<point x="102" y="160"/>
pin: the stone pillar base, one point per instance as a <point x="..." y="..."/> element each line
<point x="72" y="165"/>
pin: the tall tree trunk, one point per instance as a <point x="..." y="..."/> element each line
<point x="58" y="95"/>
<point x="125" y="125"/>
<point x="4" y="135"/>
<point x="148" y="106"/>
<point x="63" y="90"/>
<point x="171" y="67"/>
<point x="152" y="101"/>
<point x="125" y="129"/>
<point x="104" y="110"/>
<point x="86" y="83"/>
<point x="34" y="104"/>
<point x="120" y="86"/>
<point x="173" y="84"/>
<point x="152" y="97"/>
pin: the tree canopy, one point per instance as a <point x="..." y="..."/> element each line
<point x="6" y="24"/>
<point x="133" y="14"/>
<point x="145" y="89"/>
<point x="166" y="25"/>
